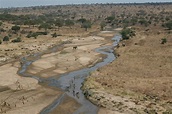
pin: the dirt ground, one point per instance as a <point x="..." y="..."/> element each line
<point x="20" y="95"/>
<point x="139" y="80"/>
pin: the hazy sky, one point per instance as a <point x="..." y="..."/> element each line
<point x="23" y="3"/>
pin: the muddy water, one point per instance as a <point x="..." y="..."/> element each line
<point x="71" y="83"/>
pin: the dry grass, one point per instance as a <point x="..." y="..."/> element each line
<point x="142" y="72"/>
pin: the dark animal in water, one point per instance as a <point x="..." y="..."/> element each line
<point x="75" y="47"/>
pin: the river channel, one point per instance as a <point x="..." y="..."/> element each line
<point x="71" y="83"/>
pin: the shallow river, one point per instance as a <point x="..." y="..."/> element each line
<point x="71" y="83"/>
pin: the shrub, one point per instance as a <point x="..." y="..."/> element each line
<point x="6" y="38"/>
<point x="16" y="40"/>
<point x="15" y="28"/>
<point x="35" y="34"/>
<point x="127" y="33"/>
<point x="86" y="25"/>
<point x="0" y="23"/>
<point x="54" y="35"/>
<point x="0" y="42"/>
<point x="169" y="25"/>
<point x="163" y="40"/>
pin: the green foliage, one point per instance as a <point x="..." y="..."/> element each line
<point x="1" y="23"/>
<point x="102" y="25"/>
<point x="82" y="20"/>
<point x="69" y="22"/>
<point x="2" y="30"/>
<point x="15" y="28"/>
<point x="59" y="22"/>
<point x="163" y="40"/>
<point x="36" y="34"/>
<point x="0" y="42"/>
<point x="169" y="25"/>
<point x="143" y="22"/>
<point x="16" y="40"/>
<point x="54" y="35"/>
<point x="6" y="38"/>
<point x="45" y="26"/>
<point x="86" y="25"/>
<point x="110" y="19"/>
<point x="127" y="33"/>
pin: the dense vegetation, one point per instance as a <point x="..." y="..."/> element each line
<point x="105" y="16"/>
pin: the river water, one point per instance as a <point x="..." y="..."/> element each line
<point x="71" y="83"/>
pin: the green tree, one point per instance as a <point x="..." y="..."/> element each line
<point x="45" y="26"/>
<point x="16" y="40"/>
<point x="59" y="23"/>
<point x="15" y="28"/>
<point x="82" y="20"/>
<point x="0" y="23"/>
<point x="86" y="25"/>
<point x="54" y="35"/>
<point x="127" y="33"/>
<point x="110" y="19"/>
<point x="163" y="40"/>
<point x="102" y="25"/>
<point x="169" y="25"/>
<point x="69" y="22"/>
<point x="6" y="38"/>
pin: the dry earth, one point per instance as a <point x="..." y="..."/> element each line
<point x="68" y="59"/>
<point x="140" y="80"/>
<point x="20" y="95"/>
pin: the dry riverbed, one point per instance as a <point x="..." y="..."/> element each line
<point x="22" y="95"/>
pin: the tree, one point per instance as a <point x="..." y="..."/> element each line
<point x="86" y="25"/>
<point x="69" y="22"/>
<point x="163" y="40"/>
<point x="0" y="23"/>
<point x="16" y="40"/>
<point x="169" y="25"/>
<point x="82" y="20"/>
<point x="59" y="23"/>
<point x="54" y="35"/>
<point x="45" y="26"/>
<point x="110" y="19"/>
<point x="127" y="33"/>
<point x="102" y="25"/>
<point x="15" y="28"/>
<point x="6" y="38"/>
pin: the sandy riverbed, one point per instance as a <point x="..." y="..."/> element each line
<point x="21" y="95"/>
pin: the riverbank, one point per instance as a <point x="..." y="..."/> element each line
<point x="139" y="80"/>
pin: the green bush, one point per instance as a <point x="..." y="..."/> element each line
<point x="127" y="33"/>
<point x="163" y="40"/>
<point x="35" y="34"/>
<point x="16" y="40"/>
<point x="15" y="28"/>
<point x="0" y="23"/>
<point x="6" y="38"/>
<point x="54" y="35"/>
<point x="0" y="42"/>
<point x="169" y="25"/>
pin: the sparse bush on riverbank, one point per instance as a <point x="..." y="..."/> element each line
<point x="127" y="33"/>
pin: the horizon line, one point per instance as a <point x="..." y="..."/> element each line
<point x="108" y="3"/>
